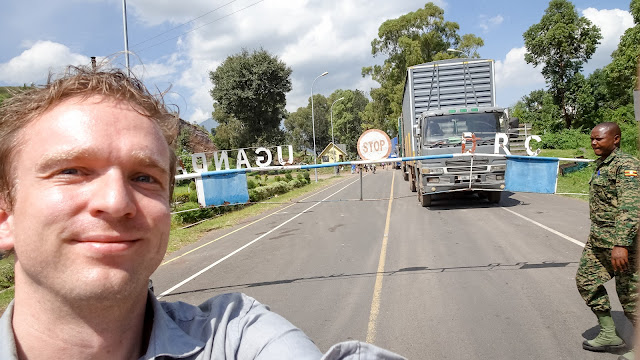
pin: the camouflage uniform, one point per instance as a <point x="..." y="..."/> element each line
<point x="614" y="200"/>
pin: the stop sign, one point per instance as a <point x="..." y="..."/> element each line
<point x="374" y="144"/>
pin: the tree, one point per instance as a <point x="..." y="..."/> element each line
<point x="347" y="121"/>
<point x="347" y="117"/>
<point x="561" y="42"/>
<point x="538" y="109"/>
<point x="414" y="38"/>
<point x="251" y="89"/>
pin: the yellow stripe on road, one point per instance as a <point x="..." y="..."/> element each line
<point x="377" y="288"/>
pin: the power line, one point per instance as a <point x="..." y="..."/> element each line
<point x="185" y="23"/>
<point x="194" y="29"/>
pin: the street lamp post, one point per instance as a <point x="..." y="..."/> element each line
<point x="126" y="36"/>
<point x="313" y="125"/>
<point x="458" y="51"/>
<point x="332" y="138"/>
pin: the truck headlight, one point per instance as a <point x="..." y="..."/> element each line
<point x="498" y="167"/>
<point x="433" y="171"/>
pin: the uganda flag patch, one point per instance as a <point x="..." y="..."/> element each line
<point x="630" y="173"/>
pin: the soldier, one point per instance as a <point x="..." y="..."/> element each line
<point x="610" y="251"/>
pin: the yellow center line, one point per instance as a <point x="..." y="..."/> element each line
<point x="236" y="230"/>
<point x="377" y="288"/>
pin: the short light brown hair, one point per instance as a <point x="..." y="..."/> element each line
<point x="83" y="82"/>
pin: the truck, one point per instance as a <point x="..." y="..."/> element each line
<point x="449" y="107"/>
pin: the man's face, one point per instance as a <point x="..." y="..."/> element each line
<point x="91" y="203"/>
<point x="603" y="141"/>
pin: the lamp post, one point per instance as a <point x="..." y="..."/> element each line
<point x="332" y="139"/>
<point x="313" y="125"/>
<point x="458" y="51"/>
<point x="126" y="36"/>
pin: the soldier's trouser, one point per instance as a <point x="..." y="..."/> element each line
<point x="595" y="269"/>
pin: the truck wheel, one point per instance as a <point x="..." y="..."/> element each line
<point x="405" y="174"/>
<point x="425" y="199"/>
<point x="494" y="196"/>
<point x="412" y="184"/>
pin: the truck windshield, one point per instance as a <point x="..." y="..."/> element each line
<point x="448" y="129"/>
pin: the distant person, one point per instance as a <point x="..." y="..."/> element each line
<point x="614" y="202"/>
<point x="86" y="176"/>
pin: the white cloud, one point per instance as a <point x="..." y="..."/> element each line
<point x="153" y="71"/>
<point x="33" y="64"/>
<point x="515" y="78"/>
<point x="612" y="24"/>
<point x="487" y="23"/>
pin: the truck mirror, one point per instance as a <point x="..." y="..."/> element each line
<point x="514" y="122"/>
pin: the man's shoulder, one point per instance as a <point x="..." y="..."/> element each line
<point x="622" y="158"/>
<point x="237" y="303"/>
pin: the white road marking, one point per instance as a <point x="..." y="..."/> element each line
<point x="566" y="237"/>
<point x="246" y="245"/>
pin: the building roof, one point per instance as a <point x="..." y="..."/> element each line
<point x="341" y="147"/>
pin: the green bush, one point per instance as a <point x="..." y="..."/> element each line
<point x="288" y="176"/>
<point x="258" y="177"/>
<point x="192" y="185"/>
<point x="307" y="177"/>
<point x="566" y="139"/>
<point x="190" y="217"/>
<point x="251" y="184"/>
<point x="295" y="183"/>
<point x="193" y="196"/>
<point x="277" y="178"/>
<point x="182" y="198"/>
<point x="6" y="272"/>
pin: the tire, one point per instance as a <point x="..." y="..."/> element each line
<point x="425" y="199"/>
<point x="405" y="174"/>
<point x="412" y="184"/>
<point x="494" y="196"/>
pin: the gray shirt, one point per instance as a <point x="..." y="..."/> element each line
<point x="228" y="326"/>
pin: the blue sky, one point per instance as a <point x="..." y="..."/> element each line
<point x="311" y="36"/>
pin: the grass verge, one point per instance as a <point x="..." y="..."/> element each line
<point x="575" y="182"/>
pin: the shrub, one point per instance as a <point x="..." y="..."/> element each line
<point x="182" y="198"/>
<point x="6" y="273"/>
<point x="190" y="217"/>
<point x="258" y="178"/>
<point x="251" y="184"/>
<point x="307" y="177"/>
<point x="295" y="183"/>
<point x="277" y="178"/>
<point x="192" y="185"/>
<point x="288" y="176"/>
<point x="565" y="139"/>
<point x="193" y="196"/>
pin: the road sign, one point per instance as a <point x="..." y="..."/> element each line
<point x="374" y="144"/>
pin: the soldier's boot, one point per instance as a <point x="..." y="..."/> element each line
<point x="607" y="339"/>
<point x="627" y="356"/>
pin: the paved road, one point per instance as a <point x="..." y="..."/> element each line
<point x="464" y="279"/>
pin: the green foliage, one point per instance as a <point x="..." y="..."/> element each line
<point x="251" y="184"/>
<point x="307" y="177"/>
<point x="561" y="42"/>
<point x="7" y="275"/>
<point x="414" y="38"/>
<point x="249" y="97"/>
<point x="288" y="176"/>
<point x="347" y="121"/>
<point x="566" y="139"/>
<point x="277" y="178"/>
<point x="268" y="191"/>
<point x="193" y="196"/>
<point x="190" y="217"/>
<point x="192" y="185"/>
<point x="538" y="109"/>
